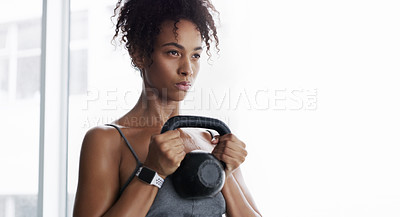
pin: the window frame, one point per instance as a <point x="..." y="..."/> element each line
<point x="53" y="139"/>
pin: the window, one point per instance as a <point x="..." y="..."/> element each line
<point x="78" y="71"/>
<point x="4" y="76"/>
<point x="19" y="113"/>
<point x="28" y="77"/>
<point x="3" y="37"/>
<point x="28" y="37"/>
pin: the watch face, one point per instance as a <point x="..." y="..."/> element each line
<point x="147" y="175"/>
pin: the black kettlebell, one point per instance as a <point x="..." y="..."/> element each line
<point x="200" y="174"/>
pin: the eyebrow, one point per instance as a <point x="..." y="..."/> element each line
<point x="179" y="46"/>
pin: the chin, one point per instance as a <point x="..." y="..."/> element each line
<point x="180" y="96"/>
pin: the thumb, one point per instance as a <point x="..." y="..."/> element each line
<point x="215" y="140"/>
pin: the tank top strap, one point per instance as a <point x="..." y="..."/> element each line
<point x="138" y="165"/>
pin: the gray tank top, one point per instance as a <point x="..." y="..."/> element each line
<point x="169" y="204"/>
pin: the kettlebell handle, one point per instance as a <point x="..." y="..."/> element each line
<point x="181" y="121"/>
<point x="200" y="174"/>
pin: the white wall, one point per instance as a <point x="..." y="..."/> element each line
<point x="338" y="157"/>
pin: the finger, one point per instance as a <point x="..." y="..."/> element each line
<point x="161" y="138"/>
<point x="215" y="139"/>
<point x="228" y="137"/>
<point x="171" y="134"/>
<point x="230" y="162"/>
<point x="181" y="155"/>
<point x="229" y="145"/>
<point x="176" y="154"/>
<point x="235" y="152"/>
<point x="239" y="155"/>
<point x="176" y="144"/>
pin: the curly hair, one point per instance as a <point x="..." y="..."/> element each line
<point x="139" y="22"/>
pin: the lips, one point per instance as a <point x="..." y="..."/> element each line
<point x="184" y="85"/>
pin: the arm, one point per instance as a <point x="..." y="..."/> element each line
<point x="239" y="201"/>
<point x="98" y="183"/>
<point x="238" y="198"/>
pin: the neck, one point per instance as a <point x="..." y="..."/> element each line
<point x="151" y="110"/>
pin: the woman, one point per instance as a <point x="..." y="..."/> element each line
<point x="165" y="41"/>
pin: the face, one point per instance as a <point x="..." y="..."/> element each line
<point x="175" y="61"/>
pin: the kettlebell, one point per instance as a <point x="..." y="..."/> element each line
<point x="200" y="174"/>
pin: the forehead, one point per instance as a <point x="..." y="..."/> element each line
<point x="187" y="33"/>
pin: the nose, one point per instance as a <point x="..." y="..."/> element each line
<point x="186" y="68"/>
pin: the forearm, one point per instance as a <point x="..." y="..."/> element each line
<point x="136" y="200"/>
<point x="236" y="202"/>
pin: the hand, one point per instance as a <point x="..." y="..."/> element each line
<point x="230" y="150"/>
<point x="166" y="151"/>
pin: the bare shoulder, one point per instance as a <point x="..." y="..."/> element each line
<point x="101" y="145"/>
<point x="102" y="137"/>
<point x="98" y="181"/>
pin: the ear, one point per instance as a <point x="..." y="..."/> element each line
<point x="138" y="60"/>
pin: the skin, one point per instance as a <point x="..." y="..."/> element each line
<point x="106" y="162"/>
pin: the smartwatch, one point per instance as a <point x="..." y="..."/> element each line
<point x="150" y="177"/>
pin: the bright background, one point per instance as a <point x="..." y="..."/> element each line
<point x="310" y="86"/>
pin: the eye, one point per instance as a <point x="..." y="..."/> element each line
<point x="196" y="56"/>
<point x="173" y="53"/>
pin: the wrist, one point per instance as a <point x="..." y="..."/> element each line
<point x="150" y="166"/>
<point x="150" y="176"/>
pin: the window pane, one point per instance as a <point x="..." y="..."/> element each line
<point x="3" y="77"/>
<point x="19" y="156"/>
<point x="25" y="205"/>
<point x="29" y="34"/>
<point x="78" y="72"/>
<point x="3" y="37"/>
<point x="28" y="77"/>
<point x="79" y="29"/>
<point x="19" y="107"/>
